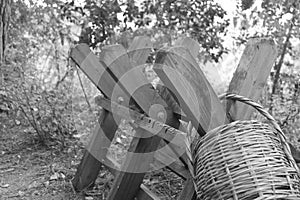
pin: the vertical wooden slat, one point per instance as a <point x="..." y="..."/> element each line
<point x="139" y="50"/>
<point x="177" y="70"/>
<point x="130" y="77"/>
<point x="251" y="75"/>
<point x="93" y="68"/>
<point x="104" y="132"/>
<point x="127" y="182"/>
<point x="205" y="108"/>
<point x="191" y="45"/>
<point x="144" y="193"/>
<point x="188" y="192"/>
<point x="95" y="153"/>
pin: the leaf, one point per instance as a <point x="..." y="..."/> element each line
<point x="55" y="176"/>
<point x="4" y="186"/>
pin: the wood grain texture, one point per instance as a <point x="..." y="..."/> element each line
<point x="93" y="68"/>
<point x="251" y="75"/>
<point x="139" y="50"/>
<point x="188" y="192"/>
<point x="204" y="107"/>
<point x="191" y="45"/>
<point x="169" y="158"/>
<point x="178" y="71"/>
<point x="95" y="152"/>
<point x="143" y="193"/>
<point x="104" y="132"/>
<point x="141" y="152"/>
<point x="130" y="77"/>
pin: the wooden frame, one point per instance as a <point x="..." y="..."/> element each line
<point x="193" y="93"/>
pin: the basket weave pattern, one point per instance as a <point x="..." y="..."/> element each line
<point x="245" y="160"/>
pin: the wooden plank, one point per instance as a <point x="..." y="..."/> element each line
<point x="126" y="183"/>
<point x="250" y="78"/>
<point x="251" y="75"/>
<point x="89" y="167"/>
<point x="93" y="68"/>
<point x="103" y="134"/>
<point x="137" y="162"/>
<point x="167" y="158"/>
<point x="188" y="192"/>
<point x="191" y="45"/>
<point x="177" y="69"/>
<point x="139" y="50"/>
<point x="143" y="193"/>
<point x="131" y="78"/>
<point x="187" y="51"/>
<point x="169" y="154"/>
<point x="141" y="151"/>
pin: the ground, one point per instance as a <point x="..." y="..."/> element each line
<point x="29" y="170"/>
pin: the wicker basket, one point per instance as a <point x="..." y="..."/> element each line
<point x="245" y="160"/>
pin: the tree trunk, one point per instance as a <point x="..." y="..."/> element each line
<point x="4" y="21"/>
<point x="280" y="62"/>
<point x="278" y="65"/>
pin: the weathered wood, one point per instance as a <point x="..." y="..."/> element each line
<point x="140" y="153"/>
<point x="177" y="69"/>
<point x="94" y="69"/>
<point x="163" y="157"/>
<point x="175" y="137"/>
<point x="103" y="134"/>
<point x="251" y="75"/>
<point x="188" y="192"/>
<point x="137" y="162"/>
<point x="167" y="158"/>
<point x="94" y="155"/>
<point x="153" y="126"/>
<point x="126" y="183"/>
<point x="191" y="45"/>
<point x="139" y="50"/>
<point x="85" y="58"/>
<point x="183" y="60"/>
<point x="143" y="193"/>
<point x="130" y="77"/>
<point x="250" y="79"/>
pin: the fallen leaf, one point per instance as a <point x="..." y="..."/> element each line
<point x="118" y="140"/>
<point x="20" y="193"/>
<point x="62" y="176"/>
<point x="7" y="170"/>
<point x="54" y="176"/>
<point x="4" y="186"/>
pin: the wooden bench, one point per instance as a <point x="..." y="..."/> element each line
<point x="118" y="74"/>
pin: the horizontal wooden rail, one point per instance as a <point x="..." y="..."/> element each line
<point x="169" y="133"/>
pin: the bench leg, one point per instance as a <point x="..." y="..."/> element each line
<point x="95" y="152"/>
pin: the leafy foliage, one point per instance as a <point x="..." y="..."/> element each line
<point x="36" y="72"/>
<point x="280" y="21"/>
<point x="108" y="22"/>
<point x="246" y="4"/>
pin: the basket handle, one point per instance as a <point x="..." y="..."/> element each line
<point x="271" y="119"/>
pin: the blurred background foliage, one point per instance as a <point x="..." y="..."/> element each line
<point x="42" y="91"/>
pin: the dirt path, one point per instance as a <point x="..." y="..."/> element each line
<point x="29" y="171"/>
